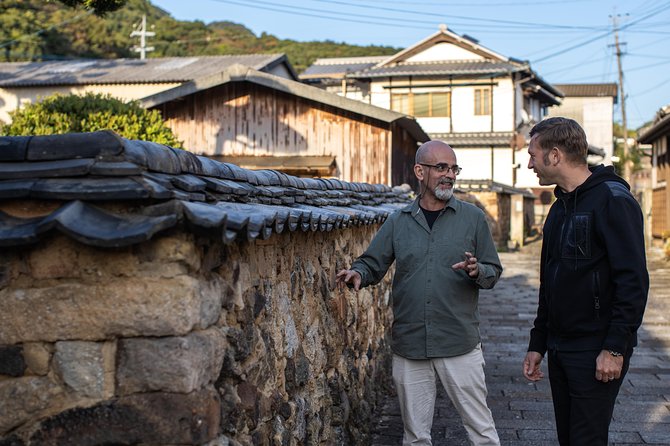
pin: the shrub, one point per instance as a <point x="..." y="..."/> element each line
<point x="59" y="114"/>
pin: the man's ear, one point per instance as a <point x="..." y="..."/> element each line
<point x="555" y="156"/>
<point x="418" y="171"/>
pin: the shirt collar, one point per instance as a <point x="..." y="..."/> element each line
<point x="414" y="208"/>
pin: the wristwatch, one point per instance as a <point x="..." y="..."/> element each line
<point x="613" y="353"/>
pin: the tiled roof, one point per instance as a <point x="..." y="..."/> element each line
<point x="475" y="139"/>
<point x="492" y="186"/>
<point x="340" y="66"/>
<point x="447" y="68"/>
<point x="127" y="71"/>
<point x="659" y="128"/>
<point x="588" y="90"/>
<point x="163" y="187"/>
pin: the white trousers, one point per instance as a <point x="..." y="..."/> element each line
<point x="462" y="378"/>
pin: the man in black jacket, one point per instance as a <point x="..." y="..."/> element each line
<point x="593" y="283"/>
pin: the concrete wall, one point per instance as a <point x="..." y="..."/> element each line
<point x="185" y="340"/>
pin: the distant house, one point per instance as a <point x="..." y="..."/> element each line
<point x="25" y="82"/>
<point x="259" y="120"/>
<point x="592" y="105"/>
<point x="482" y="103"/>
<point x="479" y="101"/>
<point x="658" y="135"/>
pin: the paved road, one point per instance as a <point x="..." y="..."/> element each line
<point x="523" y="411"/>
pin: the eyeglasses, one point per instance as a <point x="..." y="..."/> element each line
<point x="444" y="167"/>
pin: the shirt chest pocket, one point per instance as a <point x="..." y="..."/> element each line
<point x="577" y="237"/>
<point x="452" y="247"/>
<point x="410" y="252"/>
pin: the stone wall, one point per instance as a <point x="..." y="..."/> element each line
<point x="186" y="340"/>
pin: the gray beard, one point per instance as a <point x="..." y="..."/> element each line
<point x="443" y="194"/>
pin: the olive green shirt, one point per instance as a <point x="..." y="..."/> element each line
<point x="435" y="308"/>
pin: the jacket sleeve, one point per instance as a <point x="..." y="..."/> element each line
<point x="622" y="231"/>
<point x="538" y="334"/>
<point x="373" y="264"/>
<point x="488" y="261"/>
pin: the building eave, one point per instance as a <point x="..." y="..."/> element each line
<point x="241" y="73"/>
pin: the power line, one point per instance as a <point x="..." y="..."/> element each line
<point x="650" y="89"/>
<point x="472" y="4"/>
<point x="395" y="22"/>
<point x="587" y="61"/>
<point x="367" y="22"/>
<point x="476" y="19"/>
<point x="600" y="36"/>
<point x="649" y="56"/>
<point x="628" y="70"/>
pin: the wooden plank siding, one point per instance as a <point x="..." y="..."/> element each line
<point x="242" y="118"/>
<point x="660" y="222"/>
<point x="404" y="151"/>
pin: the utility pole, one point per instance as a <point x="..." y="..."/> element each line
<point x="143" y="49"/>
<point x="617" y="45"/>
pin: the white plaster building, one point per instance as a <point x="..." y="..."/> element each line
<point x="482" y="103"/>
<point x="592" y="105"/>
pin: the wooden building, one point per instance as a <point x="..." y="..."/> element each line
<point x="255" y="119"/>
<point x="23" y="83"/>
<point x="658" y="135"/>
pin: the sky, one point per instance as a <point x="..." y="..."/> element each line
<point x="565" y="41"/>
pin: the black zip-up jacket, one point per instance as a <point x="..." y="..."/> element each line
<point x="593" y="272"/>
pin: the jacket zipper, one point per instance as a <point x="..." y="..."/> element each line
<point x="596" y="293"/>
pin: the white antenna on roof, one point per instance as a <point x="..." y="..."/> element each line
<point x="143" y="34"/>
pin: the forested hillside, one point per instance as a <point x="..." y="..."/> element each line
<point x="39" y="30"/>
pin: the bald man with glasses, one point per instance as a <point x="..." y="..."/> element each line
<point x="444" y="253"/>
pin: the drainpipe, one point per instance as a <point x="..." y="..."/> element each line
<point x="390" y="93"/>
<point x="451" y="98"/>
<point x="491" y="105"/>
<point x="492" y="162"/>
<point x="492" y="147"/>
<point x="514" y="132"/>
<point x="410" y="96"/>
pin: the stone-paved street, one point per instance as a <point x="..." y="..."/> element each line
<point x="523" y="411"/>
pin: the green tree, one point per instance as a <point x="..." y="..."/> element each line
<point x="634" y="153"/>
<point x="39" y="30"/>
<point x="59" y="114"/>
<point x="99" y="7"/>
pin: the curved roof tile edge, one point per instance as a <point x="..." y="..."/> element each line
<point x="168" y="187"/>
